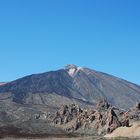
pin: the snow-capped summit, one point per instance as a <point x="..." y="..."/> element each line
<point x="72" y="69"/>
<point x="70" y="66"/>
<point x="72" y="84"/>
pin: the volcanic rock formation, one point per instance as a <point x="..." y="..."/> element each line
<point x="72" y="84"/>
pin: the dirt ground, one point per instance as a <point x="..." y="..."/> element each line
<point x="79" y="138"/>
<point x="131" y="132"/>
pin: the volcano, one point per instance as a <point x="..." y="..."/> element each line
<point x="71" y="84"/>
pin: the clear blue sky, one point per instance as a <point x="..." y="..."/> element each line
<point x="42" y="35"/>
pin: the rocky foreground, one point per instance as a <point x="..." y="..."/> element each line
<point x="62" y="103"/>
<point x="68" y="121"/>
<point x="102" y="119"/>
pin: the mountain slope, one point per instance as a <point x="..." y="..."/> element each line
<point x="2" y="83"/>
<point x="72" y="84"/>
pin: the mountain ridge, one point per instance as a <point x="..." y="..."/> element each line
<point x="74" y="84"/>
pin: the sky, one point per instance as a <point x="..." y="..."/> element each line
<point x="42" y="35"/>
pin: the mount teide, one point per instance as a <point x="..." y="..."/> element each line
<point x="71" y="85"/>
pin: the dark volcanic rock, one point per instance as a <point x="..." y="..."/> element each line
<point x="58" y="81"/>
<point x="76" y="84"/>
<point x="138" y="106"/>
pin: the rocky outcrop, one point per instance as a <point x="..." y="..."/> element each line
<point x="102" y="104"/>
<point x="103" y="118"/>
<point x="42" y="116"/>
<point x="112" y="121"/>
<point x="134" y="113"/>
<point x="66" y="113"/>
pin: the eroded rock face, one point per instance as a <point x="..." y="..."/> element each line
<point x="102" y="118"/>
<point x="66" y="113"/>
<point x="102" y="104"/>
<point x="134" y="113"/>
<point x="112" y="121"/>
